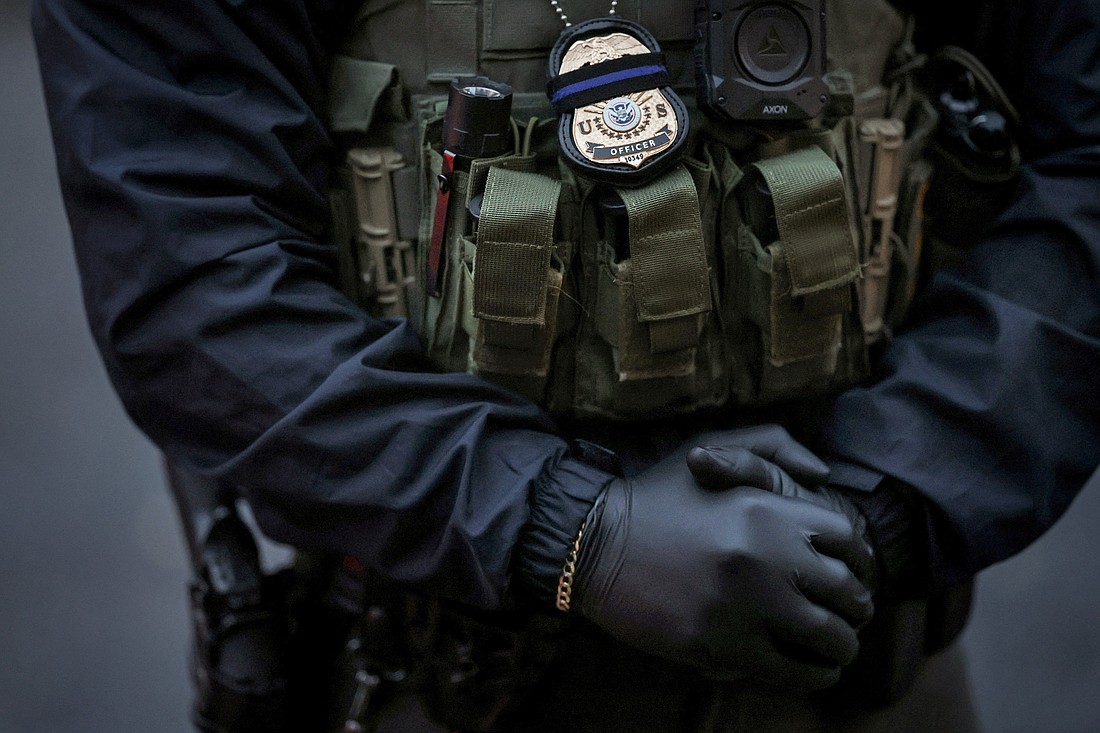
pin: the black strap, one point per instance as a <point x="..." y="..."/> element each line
<point x="607" y="80"/>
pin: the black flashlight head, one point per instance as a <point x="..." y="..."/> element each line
<point x="477" y="123"/>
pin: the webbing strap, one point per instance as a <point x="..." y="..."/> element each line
<point x="515" y="240"/>
<point x="668" y="259"/>
<point x="812" y="217"/>
<point x="593" y="83"/>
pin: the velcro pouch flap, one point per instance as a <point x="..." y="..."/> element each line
<point x="812" y="217"/>
<point x="668" y="259"/>
<point x="515" y="241"/>
<point x="360" y="90"/>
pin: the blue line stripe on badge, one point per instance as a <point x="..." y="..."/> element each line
<point x="603" y="79"/>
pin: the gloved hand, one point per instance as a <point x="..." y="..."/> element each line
<point x="757" y="449"/>
<point x="738" y="583"/>
<point x="768" y="458"/>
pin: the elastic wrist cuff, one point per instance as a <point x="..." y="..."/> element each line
<point x="562" y="498"/>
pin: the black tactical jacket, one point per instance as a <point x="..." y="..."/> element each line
<point x="194" y="163"/>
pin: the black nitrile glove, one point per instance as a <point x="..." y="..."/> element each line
<point x="754" y="452"/>
<point x="738" y="583"/>
<point x="721" y="466"/>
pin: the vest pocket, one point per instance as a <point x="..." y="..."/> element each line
<point x="516" y="281"/>
<point x="622" y="368"/>
<point x="639" y="350"/>
<point x="786" y="345"/>
<point x="793" y="324"/>
<point x="650" y="342"/>
<point x="446" y="320"/>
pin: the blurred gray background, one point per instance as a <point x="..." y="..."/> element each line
<point x="93" y="628"/>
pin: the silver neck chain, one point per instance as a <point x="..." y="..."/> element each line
<point x="565" y="18"/>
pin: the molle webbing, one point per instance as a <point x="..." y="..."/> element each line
<point x="669" y="263"/>
<point x="454" y="50"/>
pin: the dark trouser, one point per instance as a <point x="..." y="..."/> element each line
<point x="611" y="699"/>
<point x="940" y="701"/>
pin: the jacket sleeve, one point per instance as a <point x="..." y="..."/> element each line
<point x="989" y="404"/>
<point x="194" y="163"/>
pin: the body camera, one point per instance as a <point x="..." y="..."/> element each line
<point x="761" y="59"/>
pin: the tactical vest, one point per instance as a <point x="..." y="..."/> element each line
<point x="705" y="292"/>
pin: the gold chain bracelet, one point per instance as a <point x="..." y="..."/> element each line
<point x="565" y="582"/>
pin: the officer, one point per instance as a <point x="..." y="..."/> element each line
<point x="700" y="570"/>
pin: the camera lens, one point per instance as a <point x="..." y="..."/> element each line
<point x="772" y="44"/>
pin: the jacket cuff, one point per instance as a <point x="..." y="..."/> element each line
<point x="919" y="551"/>
<point x="895" y="525"/>
<point x="563" y="495"/>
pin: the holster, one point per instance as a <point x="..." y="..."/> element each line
<point x="237" y="664"/>
<point x="238" y="614"/>
<point x="467" y="668"/>
<point x="902" y="634"/>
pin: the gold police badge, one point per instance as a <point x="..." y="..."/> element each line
<point x="620" y="121"/>
<point x="628" y="129"/>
